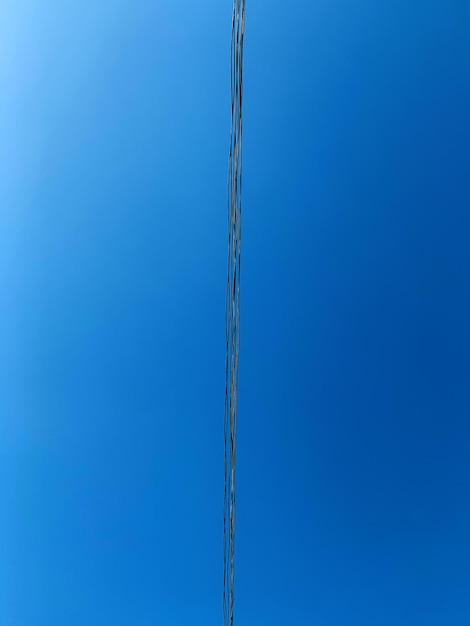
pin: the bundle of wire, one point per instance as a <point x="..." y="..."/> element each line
<point x="233" y="305"/>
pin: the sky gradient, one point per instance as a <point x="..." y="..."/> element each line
<point x="353" y="505"/>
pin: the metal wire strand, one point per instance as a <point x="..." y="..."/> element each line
<point x="232" y="343"/>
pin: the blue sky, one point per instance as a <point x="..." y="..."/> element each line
<point x="353" y="432"/>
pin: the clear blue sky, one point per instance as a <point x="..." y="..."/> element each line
<point x="354" y="390"/>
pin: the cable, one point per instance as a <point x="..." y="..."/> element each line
<point x="232" y="342"/>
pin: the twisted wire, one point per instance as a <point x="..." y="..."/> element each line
<point x="233" y="305"/>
